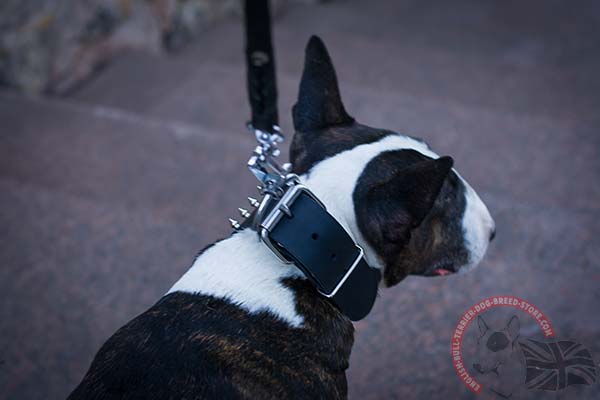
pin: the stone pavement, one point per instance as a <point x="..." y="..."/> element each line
<point x="107" y="195"/>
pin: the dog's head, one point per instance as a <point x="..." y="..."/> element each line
<point x="410" y="211"/>
<point x="495" y="347"/>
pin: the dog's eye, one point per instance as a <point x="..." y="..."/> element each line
<point x="497" y="341"/>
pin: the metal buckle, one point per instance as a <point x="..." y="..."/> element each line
<point x="278" y="211"/>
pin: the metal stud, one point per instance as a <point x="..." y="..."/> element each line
<point x="234" y="224"/>
<point x="243" y="212"/>
<point x="253" y="202"/>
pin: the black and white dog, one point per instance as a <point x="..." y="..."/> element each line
<point x="241" y="324"/>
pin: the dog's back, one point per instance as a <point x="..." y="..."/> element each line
<point x="191" y="346"/>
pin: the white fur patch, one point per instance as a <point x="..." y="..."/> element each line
<point x="244" y="271"/>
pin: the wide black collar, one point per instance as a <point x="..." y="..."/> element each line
<point x="299" y="230"/>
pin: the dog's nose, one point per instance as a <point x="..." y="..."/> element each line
<point x="492" y="234"/>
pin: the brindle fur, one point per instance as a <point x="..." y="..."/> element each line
<point x="191" y="346"/>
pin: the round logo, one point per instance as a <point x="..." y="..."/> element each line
<point x="495" y="344"/>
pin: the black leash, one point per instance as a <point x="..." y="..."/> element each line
<point x="260" y="62"/>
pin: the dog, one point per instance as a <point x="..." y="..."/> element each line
<point x="499" y="357"/>
<point x="241" y="324"/>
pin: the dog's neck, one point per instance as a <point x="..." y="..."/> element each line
<point x="243" y="270"/>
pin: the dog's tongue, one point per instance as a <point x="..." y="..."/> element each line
<point x="442" y="272"/>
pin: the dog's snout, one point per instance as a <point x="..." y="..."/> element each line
<point x="492" y="234"/>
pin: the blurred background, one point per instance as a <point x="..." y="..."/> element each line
<point x="123" y="151"/>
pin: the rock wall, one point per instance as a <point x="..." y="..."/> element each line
<point x="52" y="46"/>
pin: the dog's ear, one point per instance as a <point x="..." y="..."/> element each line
<point x="394" y="207"/>
<point x="513" y="327"/>
<point x="483" y="328"/>
<point x="319" y="103"/>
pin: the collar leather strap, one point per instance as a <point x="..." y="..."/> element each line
<point x="307" y="235"/>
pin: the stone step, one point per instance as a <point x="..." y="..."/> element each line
<point x="110" y="156"/>
<point x="426" y="53"/>
<point x="484" y="27"/>
<point x="515" y="158"/>
<point x="533" y="132"/>
<point x="435" y="72"/>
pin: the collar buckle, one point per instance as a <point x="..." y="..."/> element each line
<point x="279" y="210"/>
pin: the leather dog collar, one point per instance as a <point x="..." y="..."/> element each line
<point x="299" y="230"/>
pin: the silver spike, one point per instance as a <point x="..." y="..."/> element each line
<point x="286" y="210"/>
<point x="287" y="167"/>
<point x="234" y="224"/>
<point x="243" y="212"/>
<point x="253" y="202"/>
<point x="259" y="188"/>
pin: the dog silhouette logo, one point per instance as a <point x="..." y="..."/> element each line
<point x="498" y="355"/>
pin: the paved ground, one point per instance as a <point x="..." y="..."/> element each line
<point x="106" y="196"/>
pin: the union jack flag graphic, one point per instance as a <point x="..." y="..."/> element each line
<point x="554" y="365"/>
